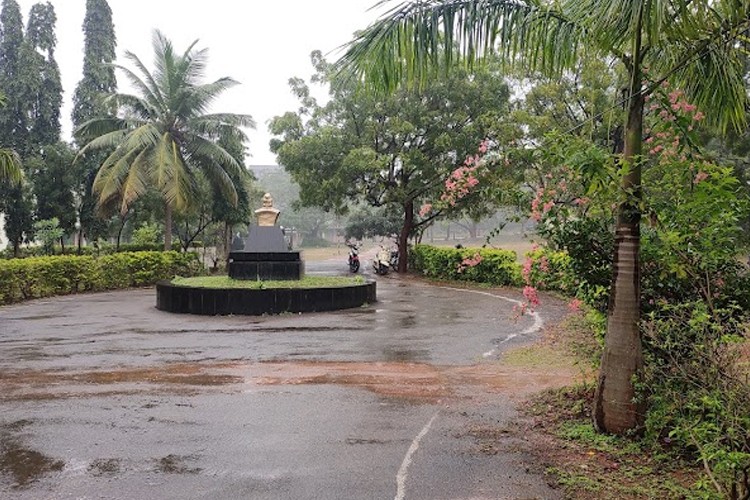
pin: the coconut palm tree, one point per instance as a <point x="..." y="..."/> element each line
<point x="10" y="162"/>
<point x="163" y="135"/>
<point x="690" y="42"/>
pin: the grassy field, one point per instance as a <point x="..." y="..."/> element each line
<point x="306" y="282"/>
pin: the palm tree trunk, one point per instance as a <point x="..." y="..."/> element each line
<point x="167" y="227"/>
<point x="615" y="408"/>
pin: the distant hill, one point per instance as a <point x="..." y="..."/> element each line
<point x="260" y="170"/>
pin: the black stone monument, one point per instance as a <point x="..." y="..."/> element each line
<point x="265" y="255"/>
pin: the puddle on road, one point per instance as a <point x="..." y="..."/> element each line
<point x="22" y="464"/>
<point x="411" y="381"/>
<point x="105" y="467"/>
<point x="399" y="378"/>
<point x="176" y="464"/>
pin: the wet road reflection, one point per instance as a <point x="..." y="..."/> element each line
<point x="137" y="403"/>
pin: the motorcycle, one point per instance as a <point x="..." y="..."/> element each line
<point x="393" y="260"/>
<point x="381" y="263"/>
<point x="353" y="257"/>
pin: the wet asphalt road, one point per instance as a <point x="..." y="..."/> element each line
<point x="103" y="396"/>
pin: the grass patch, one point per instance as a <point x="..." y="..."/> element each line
<point x="538" y="356"/>
<point x="224" y="282"/>
<point x="589" y="465"/>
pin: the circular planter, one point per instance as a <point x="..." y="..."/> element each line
<point x="223" y="301"/>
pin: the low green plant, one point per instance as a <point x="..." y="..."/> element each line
<point x="49" y="232"/>
<point x="36" y="277"/>
<point x="698" y="394"/>
<point x="146" y="234"/>
<point x="305" y="282"/>
<point x="480" y="265"/>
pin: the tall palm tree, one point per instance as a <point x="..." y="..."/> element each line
<point x="10" y="162"/>
<point x="163" y="136"/>
<point x="689" y="42"/>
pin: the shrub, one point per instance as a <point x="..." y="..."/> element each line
<point x="496" y="267"/>
<point x="36" y="277"/>
<point x="147" y="234"/>
<point x="697" y="392"/>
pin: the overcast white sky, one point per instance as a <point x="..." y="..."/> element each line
<point x="260" y="43"/>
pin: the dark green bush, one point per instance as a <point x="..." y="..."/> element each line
<point x="36" y="277"/>
<point x="698" y="393"/>
<point x="104" y="249"/>
<point x="497" y="267"/>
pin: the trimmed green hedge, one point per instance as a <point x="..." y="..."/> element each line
<point x="104" y="249"/>
<point x="551" y="270"/>
<point x="497" y="267"/>
<point x="36" y="277"/>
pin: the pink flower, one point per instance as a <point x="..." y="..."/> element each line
<point x="700" y="177"/>
<point x="426" y="209"/>
<point x="526" y="270"/>
<point x="698" y="116"/>
<point x="544" y="264"/>
<point x="575" y="305"/>
<point x="548" y="206"/>
<point x="530" y="293"/>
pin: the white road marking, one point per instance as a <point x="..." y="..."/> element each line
<point x="538" y="321"/>
<point x="404" y="469"/>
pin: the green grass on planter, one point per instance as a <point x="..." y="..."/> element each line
<point x="306" y="282"/>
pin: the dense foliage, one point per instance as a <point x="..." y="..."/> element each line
<point x="496" y="267"/>
<point x="392" y="152"/>
<point x="36" y="277"/>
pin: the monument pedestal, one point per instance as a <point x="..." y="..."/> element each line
<point x="265" y="257"/>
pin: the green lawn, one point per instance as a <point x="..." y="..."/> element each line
<point x="306" y="282"/>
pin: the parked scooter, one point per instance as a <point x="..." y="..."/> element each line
<point x="381" y="262"/>
<point x="393" y="260"/>
<point x="353" y="257"/>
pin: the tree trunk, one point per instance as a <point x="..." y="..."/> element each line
<point x="403" y="238"/>
<point x="615" y="408"/>
<point x="167" y="227"/>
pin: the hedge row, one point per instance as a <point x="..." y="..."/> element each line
<point x="547" y="270"/>
<point x="103" y="249"/>
<point x="36" y="277"/>
<point x="497" y="267"/>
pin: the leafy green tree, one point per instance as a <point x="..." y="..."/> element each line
<point x="17" y="203"/>
<point x="308" y="221"/>
<point x="98" y="81"/>
<point x="368" y="223"/>
<point x="163" y="136"/>
<point x="13" y="128"/>
<point x="49" y="232"/>
<point x="691" y="44"/>
<point x="393" y="151"/>
<point x="53" y="185"/>
<point x="43" y="91"/>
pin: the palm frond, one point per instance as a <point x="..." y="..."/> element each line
<point x="149" y="88"/>
<point x="202" y="96"/>
<point x="172" y="174"/>
<point x="416" y="39"/>
<point x="100" y="125"/>
<point x="106" y="140"/>
<point x="111" y="177"/>
<point x="10" y="166"/>
<point x="216" y="164"/>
